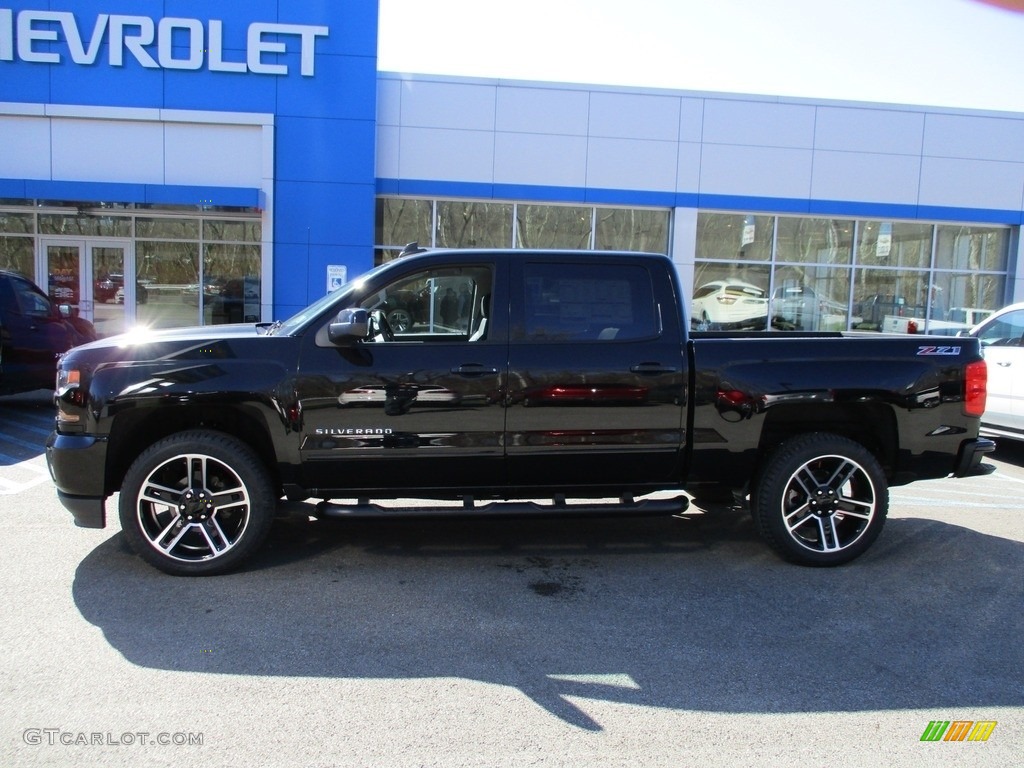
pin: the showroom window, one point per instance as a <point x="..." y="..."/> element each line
<point x="792" y="273"/>
<point x="506" y="224"/>
<point x="17" y="242"/>
<point x="193" y="265"/>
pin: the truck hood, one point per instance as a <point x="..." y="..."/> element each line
<point x="196" y="334"/>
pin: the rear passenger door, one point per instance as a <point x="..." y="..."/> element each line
<point x="596" y="382"/>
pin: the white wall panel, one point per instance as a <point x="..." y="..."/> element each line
<point x="691" y="119"/>
<point x="970" y="136"/>
<point x="634" y="116"/>
<point x="756" y="123"/>
<point x="972" y="183"/>
<point x="445" y="155"/>
<point x="521" y="158"/>
<point x="388" y="138"/>
<point x="224" y="155"/>
<point x="108" y="151"/>
<point x="869" y="130"/>
<point x="758" y="171"/>
<point x="25" y="143"/>
<point x="688" y="167"/>
<point x="632" y="164"/>
<point x="448" y="105"/>
<point x="389" y="102"/>
<point x="864" y="177"/>
<point x="543" y="110"/>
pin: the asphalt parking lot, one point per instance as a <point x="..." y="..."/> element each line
<point x="567" y="642"/>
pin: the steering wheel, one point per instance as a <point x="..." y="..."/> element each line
<point x="381" y="323"/>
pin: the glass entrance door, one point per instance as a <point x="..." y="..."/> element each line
<point x="90" y="277"/>
<point x="113" y="296"/>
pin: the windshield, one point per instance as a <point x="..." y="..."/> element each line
<point x="303" y="317"/>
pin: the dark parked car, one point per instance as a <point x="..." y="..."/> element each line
<point x="236" y="301"/>
<point x="34" y="330"/>
<point x="110" y="289"/>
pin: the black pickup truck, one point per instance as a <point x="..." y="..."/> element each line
<point x="519" y="376"/>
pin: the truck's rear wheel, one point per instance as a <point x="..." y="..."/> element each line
<point x="196" y="503"/>
<point x="821" y="499"/>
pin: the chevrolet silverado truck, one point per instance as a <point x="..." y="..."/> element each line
<point x="553" y="382"/>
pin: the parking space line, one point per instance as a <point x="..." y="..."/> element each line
<point x="37" y="472"/>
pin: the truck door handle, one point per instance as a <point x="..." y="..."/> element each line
<point x="1004" y="363"/>
<point x="651" y="368"/>
<point x="473" y="369"/>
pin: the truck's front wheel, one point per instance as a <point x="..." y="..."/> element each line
<point x="196" y="503"/>
<point x="821" y="499"/>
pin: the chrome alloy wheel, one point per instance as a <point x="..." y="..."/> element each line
<point x="193" y="508"/>
<point x="828" y="503"/>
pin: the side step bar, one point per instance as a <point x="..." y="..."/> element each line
<point x="558" y="506"/>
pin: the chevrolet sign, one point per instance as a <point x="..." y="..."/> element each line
<point x="170" y="43"/>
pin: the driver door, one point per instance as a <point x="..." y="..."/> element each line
<point x="418" y="405"/>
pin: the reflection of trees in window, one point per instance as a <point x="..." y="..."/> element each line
<point x="972" y="248"/>
<point x="403" y="220"/>
<point x="85" y="225"/>
<point x="17" y="223"/>
<point x="553" y="226"/>
<point x="463" y="224"/>
<point x="814" y="241"/>
<point x="167" y="263"/>
<point x="232" y="260"/>
<point x="631" y="229"/>
<point x="250" y="231"/>
<point x="167" y="229"/>
<point x="17" y="254"/>
<point x="894" y="244"/>
<point x="734" y="236"/>
<point x="971" y="290"/>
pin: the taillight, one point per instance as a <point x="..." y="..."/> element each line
<point x="975" y="388"/>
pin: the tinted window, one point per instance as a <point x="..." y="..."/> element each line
<point x="29" y="300"/>
<point x="1004" y="332"/>
<point x="441" y="303"/>
<point x="589" y="302"/>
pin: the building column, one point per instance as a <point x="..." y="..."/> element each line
<point x="683" y="248"/>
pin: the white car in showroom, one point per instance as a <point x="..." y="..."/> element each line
<point x="1002" y="344"/>
<point x="729" y="304"/>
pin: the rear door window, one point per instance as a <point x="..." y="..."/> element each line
<point x="587" y="302"/>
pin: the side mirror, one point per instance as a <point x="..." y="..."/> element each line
<point x="350" y="325"/>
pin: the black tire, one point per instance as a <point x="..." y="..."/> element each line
<point x="197" y="503"/>
<point x="820" y="499"/>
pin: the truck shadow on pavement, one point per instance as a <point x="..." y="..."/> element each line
<point x="657" y="612"/>
<point x="1010" y="451"/>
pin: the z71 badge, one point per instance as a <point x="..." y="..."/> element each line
<point x="938" y="350"/>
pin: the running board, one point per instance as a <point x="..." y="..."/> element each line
<point x="558" y="506"/>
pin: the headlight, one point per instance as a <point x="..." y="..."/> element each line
<point x="69" y="396"/>
<point x="67" y="380"/>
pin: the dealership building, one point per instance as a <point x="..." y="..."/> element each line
<point x="170" y="162"/>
